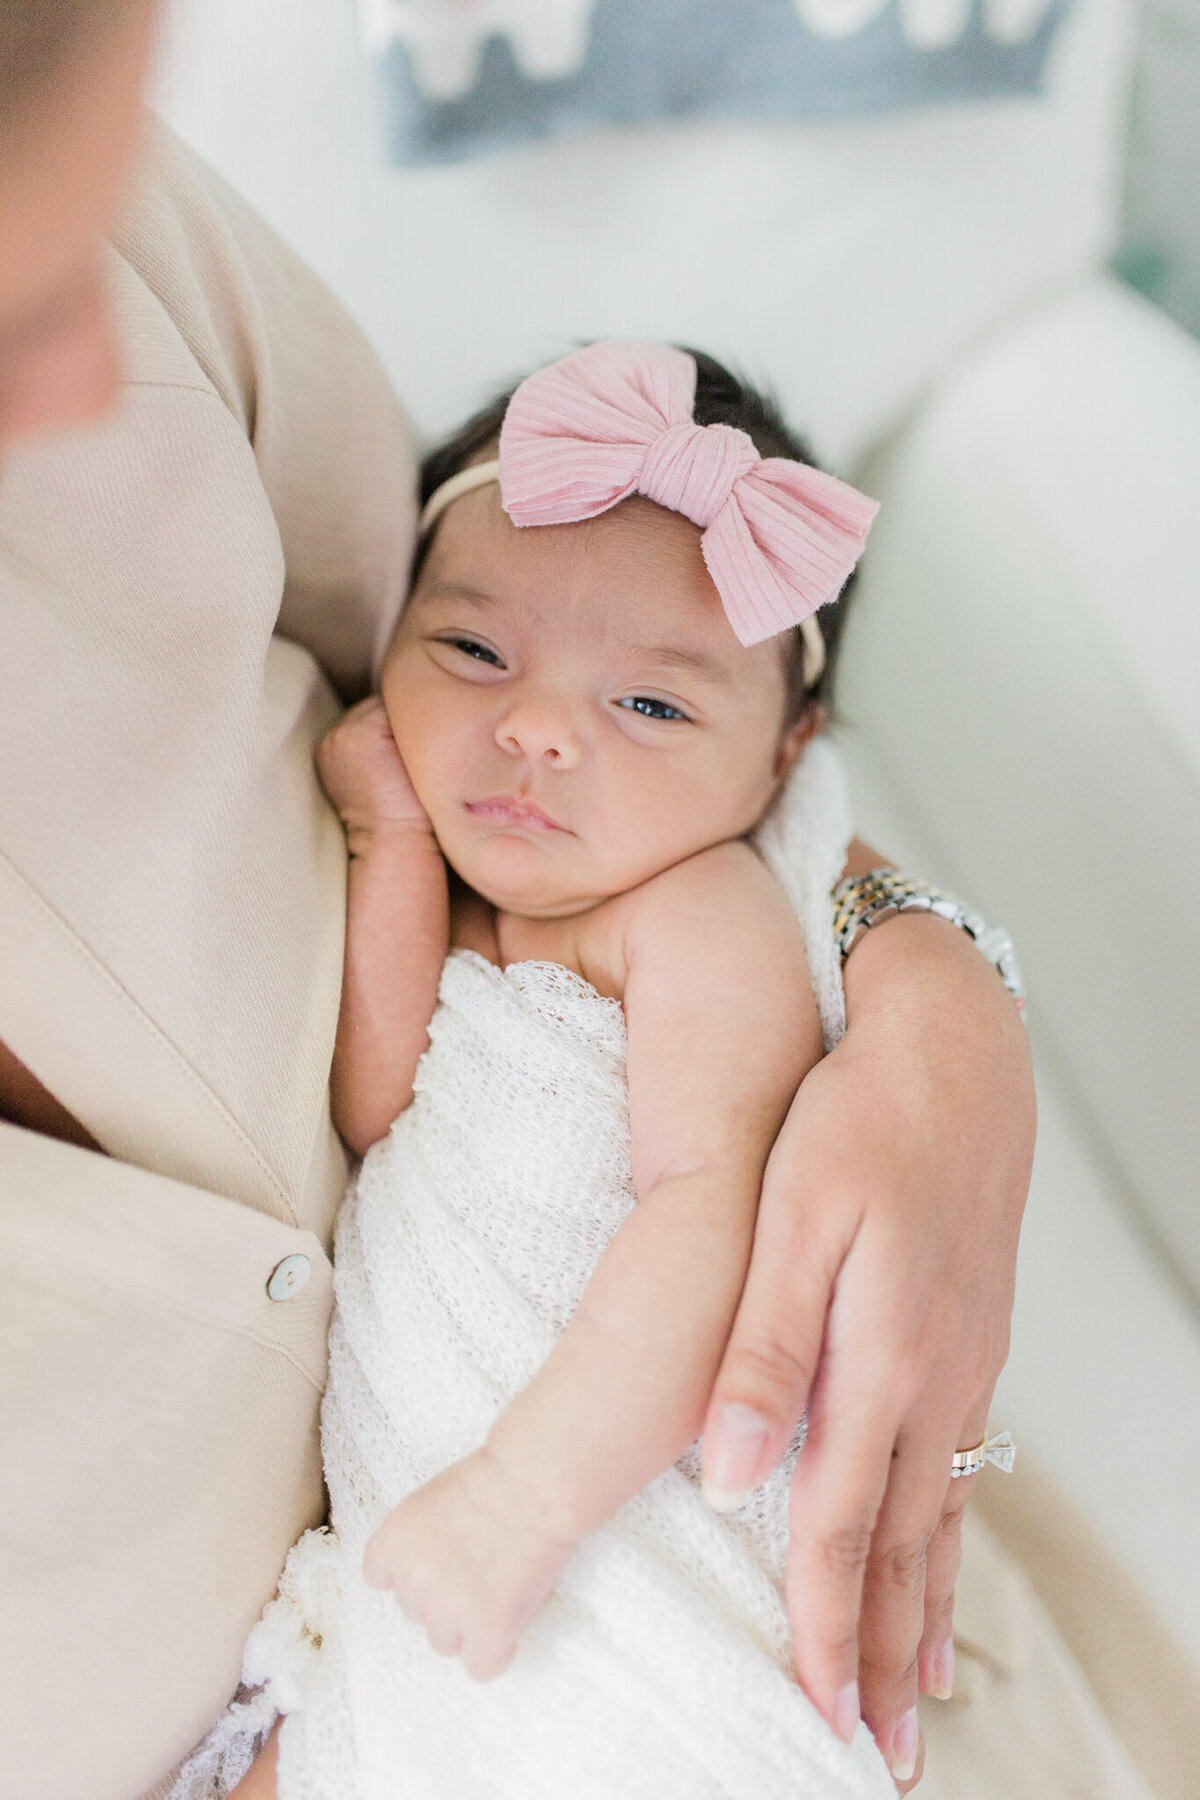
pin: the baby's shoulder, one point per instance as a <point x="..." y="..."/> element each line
<point x="724" y="875"/>
<point x="685" y="913"/>
<point x="685" y="917"/>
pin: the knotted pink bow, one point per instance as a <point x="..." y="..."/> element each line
<point x="615" y="419"/>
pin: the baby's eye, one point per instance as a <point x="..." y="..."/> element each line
<point x="472" y="647"/>
<point x="650" y="708"/>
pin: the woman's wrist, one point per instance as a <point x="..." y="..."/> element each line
<point x="927" y="1015"/>
<point x="922" y="962"/>
<point x="864" y="902"/>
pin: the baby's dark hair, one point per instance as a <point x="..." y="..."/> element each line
<point x="722" y="398"/>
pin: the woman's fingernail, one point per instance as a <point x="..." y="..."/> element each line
<point x="942" y="1671"/>
<point x="846" y="1712"/>
<point x="906" y="1741"/>
<point x="733" y="1444"/>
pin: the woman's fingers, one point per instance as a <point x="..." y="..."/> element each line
<point x="893" y="1618"/>
<point x="867" y="1498"/>
<point x="935" y="1656"/>
<point x="837" y="1490"/>
<point x="874" y="1556"/>
<point x="771" y="1358"/>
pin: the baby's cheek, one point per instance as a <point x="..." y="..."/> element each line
<point x="417" y="741"/>
<point x="692" y="809"/>
<point x="444" y="815"/>
<point x="651" y="827"/>
<point x="750" y="787"/>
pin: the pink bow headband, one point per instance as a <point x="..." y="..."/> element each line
<point x="615" y="419"/>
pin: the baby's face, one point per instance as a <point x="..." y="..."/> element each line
<point x="572" y="706"/>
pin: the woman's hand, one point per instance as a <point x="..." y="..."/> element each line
<point x="879" y="1297"/>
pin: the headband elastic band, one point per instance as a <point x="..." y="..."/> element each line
<point x="475" y="475"/>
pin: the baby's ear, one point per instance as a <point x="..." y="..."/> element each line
<point x="797" y="736"/>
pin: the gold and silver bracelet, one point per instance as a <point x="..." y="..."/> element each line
<point x="862" y="901"/>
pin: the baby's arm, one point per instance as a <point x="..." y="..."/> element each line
<point x="722" y="1028"/>
<point x="397" y="925"/>
<point x="260" y="1782"/>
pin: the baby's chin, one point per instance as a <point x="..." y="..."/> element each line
<point x="514" y="876"/>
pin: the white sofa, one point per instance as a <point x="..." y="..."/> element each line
<point x="1030" y="623"/>
<point x="1022" y="680"/>
<point x="1023" y="684"/>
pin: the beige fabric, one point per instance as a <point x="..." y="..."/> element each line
<point x="1023" y="1724"/>
<point x="171" y="892"/>
<point x="188" y="869"/>
<point x="170" y="927"/>
<point x="1148" y="1687"/>
<point x="159" y="1457"/>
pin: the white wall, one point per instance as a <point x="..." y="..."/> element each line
<point x="844" y="263"/>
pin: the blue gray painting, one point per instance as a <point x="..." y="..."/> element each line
<point x="713" y="59"/>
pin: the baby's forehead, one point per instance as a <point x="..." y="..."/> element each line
<point x="606" y="569"/>
<point x="635" y="548"/>
<point x="629" y="581"/>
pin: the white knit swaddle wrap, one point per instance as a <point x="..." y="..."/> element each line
<point x="659" y="1669"/>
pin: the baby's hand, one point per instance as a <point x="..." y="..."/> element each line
<point x="361" y="771"/>
<point x="468" y="1558"/>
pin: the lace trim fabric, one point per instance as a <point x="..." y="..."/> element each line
<point x="660" y="1668"/>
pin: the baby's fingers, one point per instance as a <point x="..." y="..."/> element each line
<point x="362" y="773"/>
<point x="364" y="730"/>
<point x="486" y="1657"/>
<point x="380" y="1566"/>
<point x="444" y="1638"/>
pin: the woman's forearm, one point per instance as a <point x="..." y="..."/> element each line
<point x="902" y="1170"/>
<point x="861" y="859"/>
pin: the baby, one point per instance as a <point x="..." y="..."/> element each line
<point x="585" y="721"/>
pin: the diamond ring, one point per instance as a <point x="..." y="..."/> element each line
<point x="999" y="1450"/>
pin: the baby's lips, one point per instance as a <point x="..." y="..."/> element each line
<point x="511" y="807"/>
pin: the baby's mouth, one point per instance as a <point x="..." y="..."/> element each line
<point x="506" y="809"/>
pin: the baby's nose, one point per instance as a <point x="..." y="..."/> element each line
<point x="542" y="732"/>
